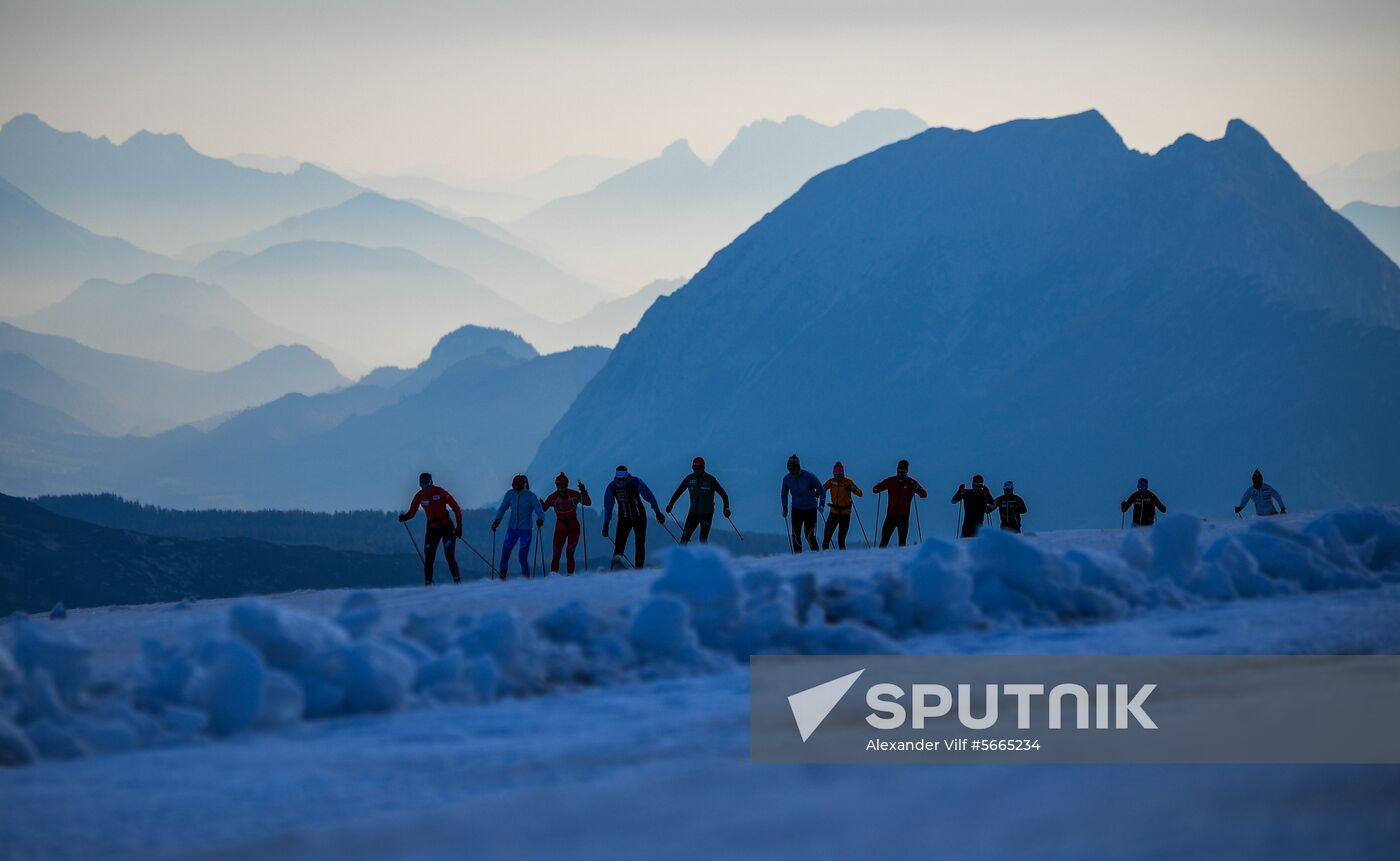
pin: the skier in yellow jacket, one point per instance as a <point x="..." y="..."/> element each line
<point x="840" y="489"/>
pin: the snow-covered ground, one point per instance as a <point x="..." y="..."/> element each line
<point x="606" y="714"/>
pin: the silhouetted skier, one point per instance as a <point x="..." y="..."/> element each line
<point x="902" y="489"/>
<point x="977" y="502"/>
<point x="524" y="506"/>
<point x="702" y="487"/>
<point x="565" y="503"/>
<point x="1010" y="507"/>
<point x="1263" y="496"/>
<point x="805" y="490"/>
<point x="435" y="503"/>
<point x="840" y="489"/>
<point x="1144" y="504"/>
<point x="628" y="492"/>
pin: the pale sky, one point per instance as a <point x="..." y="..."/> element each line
<point x="499" y="89"/>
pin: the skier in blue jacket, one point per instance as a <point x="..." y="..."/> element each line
<point x="805" y="490"/>
<point x="1263" y="496"/>
<point x="524" y="506"/>
<point x="628" y="492"/>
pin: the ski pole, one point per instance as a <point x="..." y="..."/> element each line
<point x="1123" y="521"/>
<point x="735" y="528"/>
<point x="676" y="521"/>
<point x="412" y="541"/>
<point x="670" y="533"/>
<point x="787" y="528"/>
<point x="862" y="525"/>
<point x="583" y="532"/>
<point x="477" y="552"/>
<point x="539" y="532"/>
<point x="957" y="531"/>
<point x="917" y="524"/>
<point x="878" y="529"/>
<point x="493" y="554"/>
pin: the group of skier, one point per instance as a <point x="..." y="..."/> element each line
<point x="803" y="496"/>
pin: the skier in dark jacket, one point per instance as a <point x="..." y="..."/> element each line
<point x="1011" y="508"/>
<point x="628" y="493"/>
<point x="977" y="502"/>
<point x="805" y="489"/>
<point x="902" y="489"/>
<point x="1144" y="504"/>
<point x="435" y="503"/>
<point x="702" y="487"/>
<point x="1263" y="496"/>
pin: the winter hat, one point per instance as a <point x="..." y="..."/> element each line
<point x="1258" y="477"/>
<point x="519" y="482"/>
<point x="977" y="479"/>
<point x="698" y="463"/>
<point x="425" y="479"/>
<point x="1008" y="487"/>
<point x="1142" y="484"/>
<point x="794" y="463"/>
<point x="621" y="471"/>
<point x="838" y="469"/>
<point x="902" y="467"/>
<point x="561" y="480"/>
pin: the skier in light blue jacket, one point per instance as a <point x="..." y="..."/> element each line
<point x="524" y="506"/>
<point x="1263" y="496"/>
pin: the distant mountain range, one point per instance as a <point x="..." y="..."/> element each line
<point x="1373" y="178"/>
<point x="382" y="305"/>
<point x="1381" y="224"/>
<point x="168" y="318"/>
<point x="145" y="396"/>
<point x="473" y="413"/>
<point x="374" y="221"/>
<point x="669" y="214"/>
<point x="154" y="189"/>
<point x="50" y="559"/>
<point x="1034" y="301"/>
<point x="44" y="257"/>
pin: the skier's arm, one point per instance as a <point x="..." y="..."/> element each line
<point x="1244" y="500"/>
<point x="723" y="494"/>
<point x="1127" y="503"/>
<point x="584" y="497"/>
<point x="412" y="507"/>
<point x="878" y="487"/>
<point x="456" y="509"/>
<point x="1279" y="497"/>
<point x="680" y="488"/>
<point x="549" y="500"/>
<point x="648" y="496"/>
<point x="784" y="495"/>
<point x="505" y="506"/>
<point x="919" y="489"/>
<point x="855" y="489"/>
<point x="958" y="494"/>
<point x="608" y="503"/>
<point x="1020" y="505"/>
<point x="539" y="510"/>
<point x="1156" y="500"/>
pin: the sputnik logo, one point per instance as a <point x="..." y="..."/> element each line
<point x="810" y="707"/>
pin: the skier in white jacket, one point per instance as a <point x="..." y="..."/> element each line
<point x="1263" y="497"/>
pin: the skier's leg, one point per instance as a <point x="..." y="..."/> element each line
<point x="512" y="536"/>
<point x="828" y="530"/>
<point x="572" y="532"/>
<point x="640" y="541"/>
<point x="449" y="552"/>
<point x="796" y="531"/>
<point x="561" y="533"/>
<point x="842" y="528"/>
<point x="887" y="530"/>
<point x="687" y="530"/>
<point x="430" y="544"/>
<point x="624" y="528"/>
<point x="902" y="524"/>
<point x="525" y="536"/>
<point x="705" y="528"/>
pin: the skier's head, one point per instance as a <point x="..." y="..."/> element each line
<point x="561" y="480"/>
<point x="794" y="465"/>
<point x="977" y="480"/>
<point x="1008" y="487"/>
<point x="621" y="473"/>
<point x="1257" y="478"/>
<point x="520" y="482"/>
<point x="1142" y="484"/>
<point x="838" y="468"/>
<point x="902" y="468"/>
<point x="698" y="464"/>
<point x="425" y="479"/>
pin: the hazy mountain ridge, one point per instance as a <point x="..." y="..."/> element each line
<point x="1381" y="224"/>
<point x="154" y="189"/>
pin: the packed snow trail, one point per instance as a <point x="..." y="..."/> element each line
<point x="262" y="664"/>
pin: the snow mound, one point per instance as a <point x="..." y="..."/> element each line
<point x="266" y="666"/>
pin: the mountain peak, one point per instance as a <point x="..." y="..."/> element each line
<point x="679" y="150"/>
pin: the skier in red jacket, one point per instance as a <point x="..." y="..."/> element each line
<point x="565" y="503"/>
<point x="435" y="502"/>
<point x="902" y="489"/>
